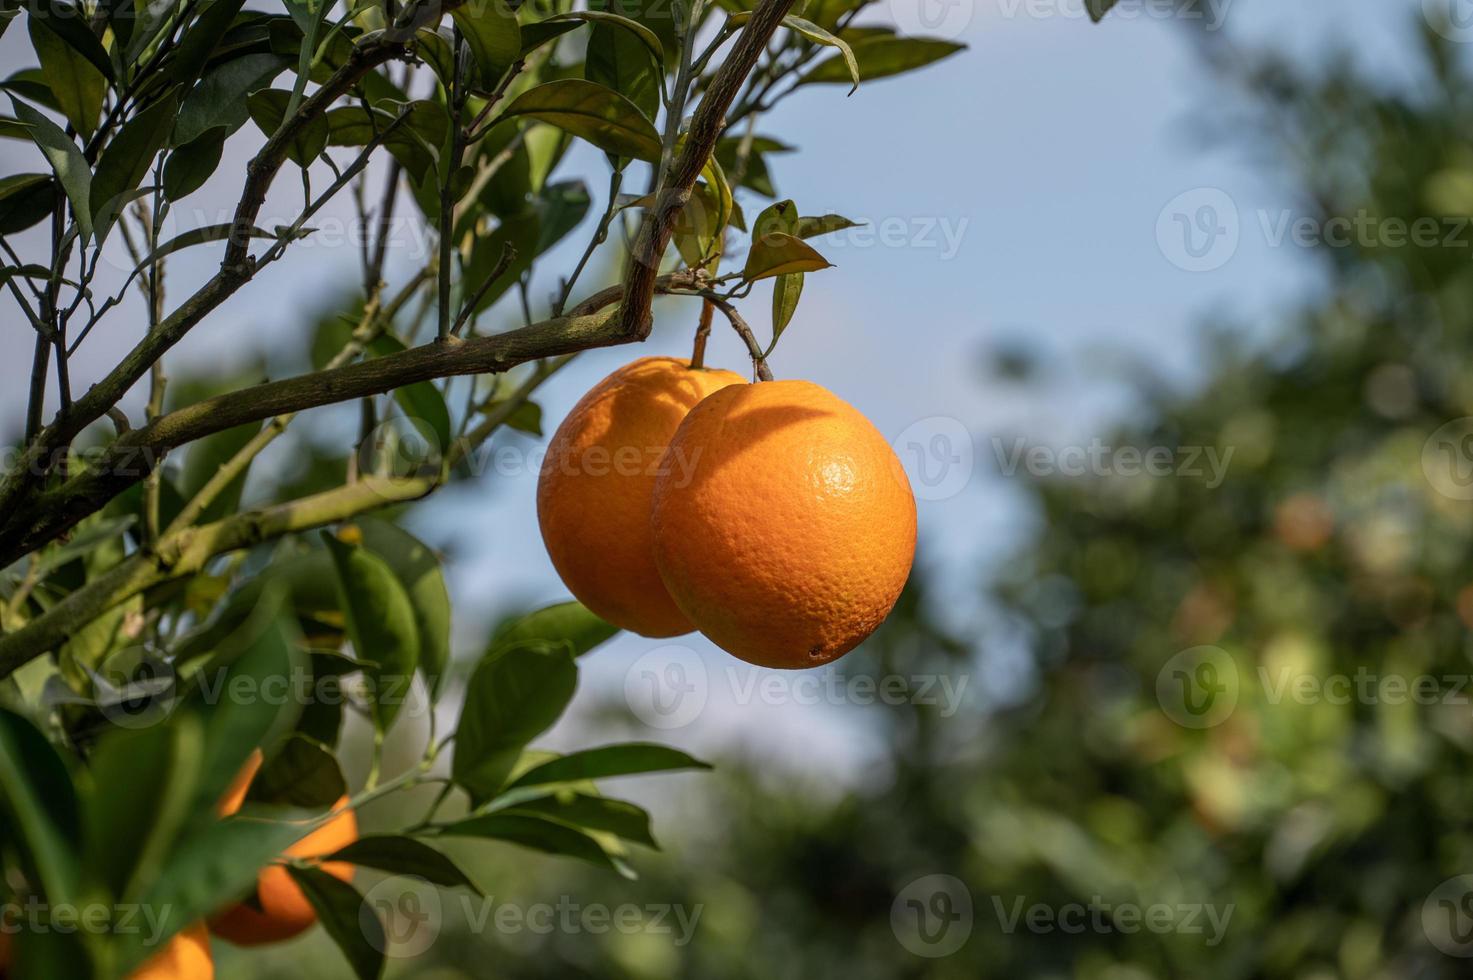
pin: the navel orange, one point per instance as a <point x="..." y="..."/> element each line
<point x="792" y="535"/>
<point x="593" y="496"/>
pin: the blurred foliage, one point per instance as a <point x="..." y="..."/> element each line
<point x="1322" y="828"/>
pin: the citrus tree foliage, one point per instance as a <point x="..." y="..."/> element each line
<point x="148" y="618"/>
<point x="1327" y="822"/>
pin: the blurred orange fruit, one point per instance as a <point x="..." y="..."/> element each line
<point x="593" y="496"/>
<point x="284" y="911"/>
<point x="186" y="957"/>
<point x="791" y="537"/>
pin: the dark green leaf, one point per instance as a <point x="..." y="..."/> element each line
<point x="127" y="160"/>
<point x="199" y="236"/>
<point x="405" y="856"/>
<point x="220" y="97"/>
<point x="200" y="40"/>
<point x="593" y="813"/>
<point x="882" y="56"/>
<point x="537" y="34"/>
<point x="380" y="623"/>
<point x="268" y="110"/>
<point x="346" y="918"/>
<point x="69" y="22"/>
<point x="493" y="36"/>
<point x="591" y="112"/>
<point x="625" y="56"/>
<point x="514" y="695"/>
<point x="24" y="200"/>
<point x="66" y="160"/>
<point x="302" y="773"/>
<point x="812" y="227"/>
<point x="526" y="417"/>
<point x="609" y="760"/>
<point x="421" y="402"/>
<point x="1099" y="8"/>
<point x="539" y="835"/>
<point x="74" y="79"/>
<point x="566" y="622"/>
<point x="188" y="167"/>
<point x="39" y="803"/>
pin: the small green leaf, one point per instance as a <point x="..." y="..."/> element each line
<point x="610" y="760"/>
<point x="418" y="569"/>
<point x="881" y="56"/>
<point x="302" y="772"/>
<point x="565" y="622"/>
<point x="777" y="254"/>
<point x="491" y="32"/>
<point x="220" y="97"/>
<point x="188" y="167"/>
<point x="66" y="160"/>
<point x="421" y="402"/>
<point x="627" y="57"/>
<point x="380" y="624"/>
<point x="538" y="835"/>
<point x="526" y="417"/>
<point x="346" y="918"/>
<point x="591" y="112"/>
<point x="514" y="695"/>
<point x="818" y="35"/>
<point x="401" y="855"/>
<point x="823" y="225"/>
<point x="25" y="199"/>
<point x="1099" y="8"/>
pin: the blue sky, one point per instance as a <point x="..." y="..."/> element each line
<point x="1021" y="183"/>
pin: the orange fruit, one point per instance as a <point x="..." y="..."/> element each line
<point x="186" y="957"/>
<point x="285" y="911"/>
<point x="794" y="533"/>
<point x="593" y="496"/>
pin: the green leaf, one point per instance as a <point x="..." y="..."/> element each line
<point x="14" y="129"/>
<point x="415" y="143"/>
<point x="25" y="199"/>
<point x="780" y="218"/>
<point x="346" y="918"/>
<point x="303" y="773"/>
<point x="626" y="56"/>
<point x="777" y="254"/>
<point x="268" y="110"/>
<point x="641" y="33"/>
<point x="200" y="40"/>
<point x="380" y="623"/>
<point x="188" y="167"/>
<point x="421" y="402"/>
<point x="70" y="22"/>
<point x="565" y="622"/>
<point x="142" y="792"/>
<point x="537" y="34"/>
<point x="1099" y="8"/>
<point x="881" y="56"/>
<point x="555" y="213"/>
<point x="418" y="569"/>
<point x="589" y="812"/>
<point x="812" y="227"/>
<point x="127" y="160"/>
<point x="610" y="760"/>
<point x="493" y="36"/>
<point x="818" y="35"/>
<point x="591" y="112"/>
<point x="75" y="82"/>
<point x="539" y="835"/>
<point x="199" y="236"/>
<point x="526" y="417"/>
<point x="220" y="97"/>
<point x="39" y="806"/>
<point x="401" y="855"/>
<point x="515" y="694"/>
<point x="66" y="160"/>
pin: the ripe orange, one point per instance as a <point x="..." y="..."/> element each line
<point x="793" y="535"/>
<point x="593" y="496"/>
<point x="186" y="957"/>
<point x="285" y="911"/>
